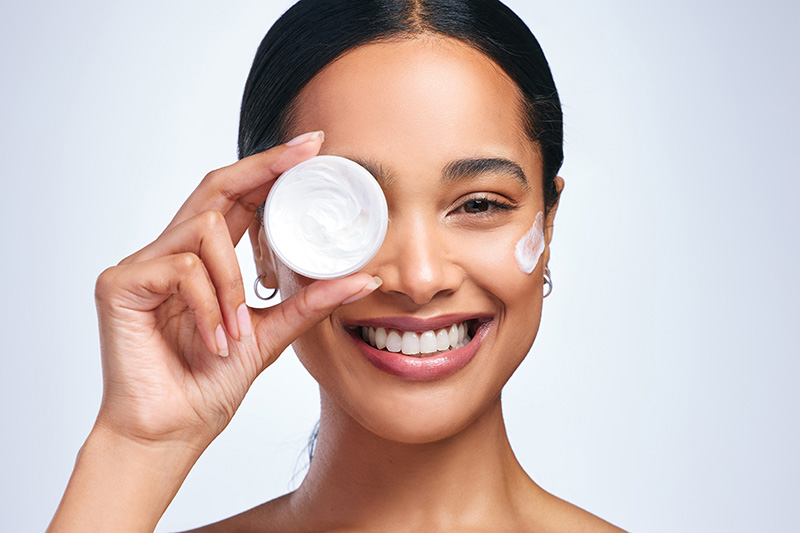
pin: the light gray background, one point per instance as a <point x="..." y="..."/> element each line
<point x="661" y="393"/>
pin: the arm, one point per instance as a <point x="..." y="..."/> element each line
<point x="121" y="485"/>
<point x="180" y="348"/>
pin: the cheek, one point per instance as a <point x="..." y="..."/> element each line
<point x="289" y="284"/>
<point x="492" y="265"/>
<point x="490" y="259"/>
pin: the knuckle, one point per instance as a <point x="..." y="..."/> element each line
<point x="105" y="283"/>
<point x="187" y="262"/>
<point x="285" y="315"/>
<point x="211" y="176"/>
<point x="213" y="219"/>
<point x="303" y="305"/>
<point x="216" y="180"/>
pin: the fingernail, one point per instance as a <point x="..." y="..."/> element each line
<point x="222" y="341"/>
<point x="374" y="284"/>
<point x="367" y="290"/>
<point x="245" y="324"/>
<point x="307" y="137"/>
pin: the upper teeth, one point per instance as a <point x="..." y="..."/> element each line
<point x="411" y="343"/>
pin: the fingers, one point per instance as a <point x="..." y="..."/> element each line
<point x="206" y="235"/>
<point x="239" y="189"/>
<point x="146" y="285"/>
<point x="278" y="326"/>
<point x="216" y="215"/>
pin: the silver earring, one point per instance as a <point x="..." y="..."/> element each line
<point x="255" y="288"/>
<point x="548" y="281"/>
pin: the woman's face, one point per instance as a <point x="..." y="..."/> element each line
<point x="439" y="125"/>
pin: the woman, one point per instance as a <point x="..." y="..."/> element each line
<point x="452" y="107"/>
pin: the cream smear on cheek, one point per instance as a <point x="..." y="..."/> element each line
<point x="530" y="246"/>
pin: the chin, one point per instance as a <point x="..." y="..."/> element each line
<point x="411" y="413"/>
<point x="414" y="425"/>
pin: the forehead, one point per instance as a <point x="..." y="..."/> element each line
<point x="434" y="97"/>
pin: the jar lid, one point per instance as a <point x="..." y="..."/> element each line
<point x="326" y="217"/>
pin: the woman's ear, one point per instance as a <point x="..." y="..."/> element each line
<point x="262" y="253"/>
<point x="550" y="219"/>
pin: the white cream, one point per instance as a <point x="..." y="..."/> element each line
<point x="326" y="217"/>
<point x="530" y="246"/>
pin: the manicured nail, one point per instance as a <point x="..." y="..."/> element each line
<point x="222" y="341"/>
<point x="367" y="290"/>
<point x="245" y="324"/>
<point x="374" y="284"/>
<point x="307" y="137"/>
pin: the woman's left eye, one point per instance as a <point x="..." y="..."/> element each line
<point x="482" y="205"/>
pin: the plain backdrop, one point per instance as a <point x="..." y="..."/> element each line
<point x="661" y="393"/>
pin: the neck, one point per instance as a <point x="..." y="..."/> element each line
<point x="357" y="476"/>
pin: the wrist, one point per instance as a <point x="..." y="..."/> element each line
<point x="121" y="483"/>
<point x="170" y="461"/>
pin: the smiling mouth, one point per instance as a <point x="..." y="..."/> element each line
<point x="419" y="344"/>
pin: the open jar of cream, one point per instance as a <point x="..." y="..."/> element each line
<point x="326" y="217"/>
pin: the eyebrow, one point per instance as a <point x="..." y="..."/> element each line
<point x="382" y="175"/>
<point x="454" y="171"/>
<point x="470" y="168"/>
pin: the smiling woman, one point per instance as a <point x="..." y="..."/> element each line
<point x="451" y="107"/>
<point x="444" y="262"/>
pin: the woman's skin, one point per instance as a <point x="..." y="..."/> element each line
<point x="393" y="454"/>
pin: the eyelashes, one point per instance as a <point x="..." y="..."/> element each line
<point x="483" y="205"/>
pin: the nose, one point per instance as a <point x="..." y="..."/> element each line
<point x="417" y="261"/>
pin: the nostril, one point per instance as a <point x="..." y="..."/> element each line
<point x="416" y="262"/>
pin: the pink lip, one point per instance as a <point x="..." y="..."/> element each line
<point x="427" y="368"/>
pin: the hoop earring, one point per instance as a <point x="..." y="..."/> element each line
<point x="548" y="281"/>
<point x="258" y="294"/>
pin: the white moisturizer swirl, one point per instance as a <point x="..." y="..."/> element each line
<point x="326" y="217"/>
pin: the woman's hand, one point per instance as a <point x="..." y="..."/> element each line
<point x="180" y="347"/>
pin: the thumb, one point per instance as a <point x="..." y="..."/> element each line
<point x="278" y="326"/>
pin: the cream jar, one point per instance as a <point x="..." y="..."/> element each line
<point x="326" y="217"/>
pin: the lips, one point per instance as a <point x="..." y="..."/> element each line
<point x="420" y="350"/>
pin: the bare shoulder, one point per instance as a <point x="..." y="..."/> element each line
<point x="550" y="514"/>
<point x="558" y="515"/>
<point x="268" y="517"/>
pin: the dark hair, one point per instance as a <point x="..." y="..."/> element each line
<point x="313" y="33"/>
